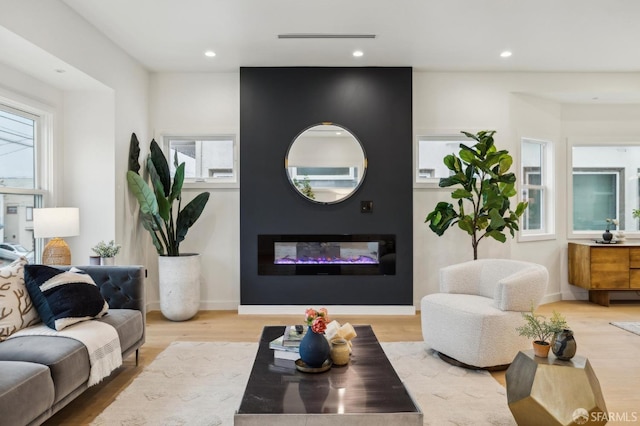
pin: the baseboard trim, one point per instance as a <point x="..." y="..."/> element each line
<point x="550" y="298"/>
<point x="204" y="306"/>
<point x="333" y="310"/>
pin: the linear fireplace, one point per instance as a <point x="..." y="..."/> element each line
<point x="370" y="254"/>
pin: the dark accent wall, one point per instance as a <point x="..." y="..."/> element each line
<point x="276" y="104"/>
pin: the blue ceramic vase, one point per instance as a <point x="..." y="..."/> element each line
<point x="314" y="349"/>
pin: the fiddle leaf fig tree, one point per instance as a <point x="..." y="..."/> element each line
<point x="484" y="186"/>
<point x="167" y="225"/>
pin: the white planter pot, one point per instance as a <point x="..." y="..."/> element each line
<point x="179" y="278"/>
<point x="107" y="260"/>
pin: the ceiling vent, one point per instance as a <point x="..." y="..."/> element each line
<point x="324" y="36"/>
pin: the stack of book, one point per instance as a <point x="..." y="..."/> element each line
<point x="286" y="348"/>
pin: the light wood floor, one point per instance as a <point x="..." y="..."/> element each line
<point x="613" y="353"/>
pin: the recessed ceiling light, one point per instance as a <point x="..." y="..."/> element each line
<point x="60" y="70"/>
<point x="209" y="53"/>
<point x="505" y="54"/>
<point x="358" y="53"/>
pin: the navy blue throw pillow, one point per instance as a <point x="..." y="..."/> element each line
<point x="62" y="297"/>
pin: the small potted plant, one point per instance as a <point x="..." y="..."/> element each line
<point x="106" y="251"/>
<point x="541" y="329"/>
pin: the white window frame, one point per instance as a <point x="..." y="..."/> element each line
<point x="43" y="117"/>
<point x="433" y="182"/>
<point x="206" y="182"/>
<point x="618" y="175"/>
<point x="547" y="187"/>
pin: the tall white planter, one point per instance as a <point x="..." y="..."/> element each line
<point x="179" y="278"/>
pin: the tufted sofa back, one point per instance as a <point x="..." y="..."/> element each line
<point x="121" y="286"/>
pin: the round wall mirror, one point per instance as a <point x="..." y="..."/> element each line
<point x="326" y="163"/>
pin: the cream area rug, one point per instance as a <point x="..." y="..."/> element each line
<point x="631" y="326"/>
<point x="201" y="384"/>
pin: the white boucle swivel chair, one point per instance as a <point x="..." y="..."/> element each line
<point x="473" y="319"/>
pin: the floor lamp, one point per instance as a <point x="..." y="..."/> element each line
<point x="56" y="223"/>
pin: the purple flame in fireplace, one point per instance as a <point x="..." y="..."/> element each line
<point x="326" y="253"/>
<point x="325" y="260"/>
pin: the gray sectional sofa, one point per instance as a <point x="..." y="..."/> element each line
<point x="39" y="375"/>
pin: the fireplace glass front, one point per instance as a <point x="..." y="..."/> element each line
<point x="326" y="255"/>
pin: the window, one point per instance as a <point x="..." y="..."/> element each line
<point x="596" y="197"/>
<point x="208" y="159"/>
<point x="604" y="185"/>
<point x="327" y="177"/>
<point x="536" y="188"/>
<point x="19" y="134"/>
<point x="430" y="152"/>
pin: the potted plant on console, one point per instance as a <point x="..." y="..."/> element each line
<point x="485" y="186"/>
<point x="168" y="223"/>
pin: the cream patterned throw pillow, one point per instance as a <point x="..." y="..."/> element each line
<point x="16" y="309"/>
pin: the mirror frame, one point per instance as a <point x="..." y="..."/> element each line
<point x="365" y="163"/>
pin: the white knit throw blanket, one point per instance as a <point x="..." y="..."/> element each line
<point x="101" y="340"/>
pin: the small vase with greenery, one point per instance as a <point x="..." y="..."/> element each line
<point x="105" y="250"/>
<point x="541" y="330"/>
<point x="607" y="235"/>
<point x="485" y="186"/>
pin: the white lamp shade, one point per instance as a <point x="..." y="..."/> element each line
<point x="56" y="222"/>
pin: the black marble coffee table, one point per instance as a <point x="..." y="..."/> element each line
<point x="366" y="390"/>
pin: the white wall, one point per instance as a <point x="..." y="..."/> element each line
<point x="541" y="119"/>
<point x="64" y="35"/>
<point x="446" y="103"/>
<point x="89" y="168"/>
<point x="511" y="104"/>
<point x="202" y="104"/>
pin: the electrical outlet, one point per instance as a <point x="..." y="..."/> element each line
<point x="366" y="206"/>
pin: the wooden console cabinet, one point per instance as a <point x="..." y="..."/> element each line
<point x="601" y="268"/>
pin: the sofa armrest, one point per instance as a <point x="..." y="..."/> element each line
<point x="522" y="290"/>
<point x="460" y="278"/>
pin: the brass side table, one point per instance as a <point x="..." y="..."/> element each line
<point x="549" y="391"/>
